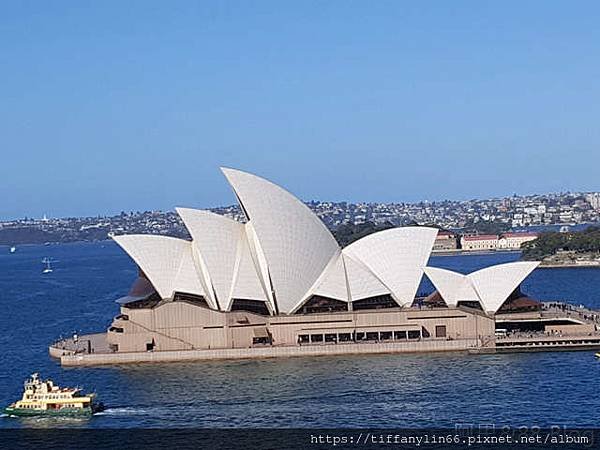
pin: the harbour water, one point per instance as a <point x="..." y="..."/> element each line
<point x="360" y="391"/>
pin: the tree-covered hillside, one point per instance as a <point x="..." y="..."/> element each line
<point x="547" y="244"/>
<point x="346" y="234"/>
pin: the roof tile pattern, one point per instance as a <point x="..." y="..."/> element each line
<point x="284" y="254"/>
<point x="490" y="286"/>
<point x="397" y="256"/>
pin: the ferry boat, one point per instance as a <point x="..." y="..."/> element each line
<point x="44" y="398"/>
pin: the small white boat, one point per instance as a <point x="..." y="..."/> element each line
<point x="13" y="249"/>
<point x="48" y="268"/>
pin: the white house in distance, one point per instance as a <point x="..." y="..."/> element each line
<point x="505" y="241"/>
<point x="513" y="241"/>
<point x="480" y="242"/>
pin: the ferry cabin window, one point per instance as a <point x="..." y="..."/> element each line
<point x="440" y="331"/>
<point x="303" y="338"/>
<point x="360" y="336"/>
<point x="398" y="335"/>
<point x="316" y="338"/>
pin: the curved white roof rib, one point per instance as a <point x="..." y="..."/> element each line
<point x="333" y="283"/>
<point x="216" y="239"/>
<point x="260" y="263"/>
<point x="167" y="262"/>
<point x="296" y="244"/>
<point x="452" y="286"/>
<point x="397" y="257"/>
<point x="246" y="281"/>
<point x="361" y="281"/>
<point x="494" y="284"/>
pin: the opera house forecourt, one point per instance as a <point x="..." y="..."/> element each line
<point x="280" y="285"/>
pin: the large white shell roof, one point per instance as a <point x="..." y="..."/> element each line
<point x="494" y="284"/>
<point x="490" y="286"/>
<point x="215" y="239"/>
<point x="362" y="282"/>
<point x="296" y="243"/>
<point x="396" y="257"/>
<point x="333" y="283"/>
<point x="453" y="286"/>
<point x="167" y="262"/>
<point x="284" y="255"/>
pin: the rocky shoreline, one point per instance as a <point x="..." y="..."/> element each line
<point x="571" y="259"/>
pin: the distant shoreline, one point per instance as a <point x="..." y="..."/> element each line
<point x="459" y="252"/>
<point x="50" y="244"/>
<point x="568" y="266"/>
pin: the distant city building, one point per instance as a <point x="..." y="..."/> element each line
<point x="445" y="241"/>
<point x="513" y="241"/>
<point x="517" y="212"/>
<point x="505" y="241"/>
<point x="594" y="200"/>
<point x="481" y="242"/>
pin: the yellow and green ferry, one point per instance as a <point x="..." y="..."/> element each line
<point x="44" y="398"/>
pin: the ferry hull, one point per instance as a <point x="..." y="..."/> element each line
<point x="68" y="412"/>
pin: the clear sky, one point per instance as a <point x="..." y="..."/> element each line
<point x="133" y="105"/>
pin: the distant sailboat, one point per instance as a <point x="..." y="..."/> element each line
<point x="13" y="249"/>
<point x="48" y="268"/>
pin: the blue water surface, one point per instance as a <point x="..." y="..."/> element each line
<point x="359" y="391"/>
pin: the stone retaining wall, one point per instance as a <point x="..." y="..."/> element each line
<point x="267" y="352"/>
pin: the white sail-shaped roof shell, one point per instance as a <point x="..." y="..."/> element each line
<point x="222" y="246"/>
<point x="452" y="286"/>
<point x="215" y="238"/>
<point x="284" y="255"/>
<point x="297" y="246"/>
<point x="246" y="283"/>
<point x="490" y="286"/>
<point x="396" y="257"/>
<point x="362" y="282"/>
<point x="260" y="262"/>
<point x="167" y="262"/>
<point x="334" y="282"/>
<point x="494" y="284"/>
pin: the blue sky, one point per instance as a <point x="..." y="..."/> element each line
<point x="110" y="106"/>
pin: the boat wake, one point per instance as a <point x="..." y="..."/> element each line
<point x="125" y="411"/>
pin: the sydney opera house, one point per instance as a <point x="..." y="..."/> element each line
<point x="281" y="281"/>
